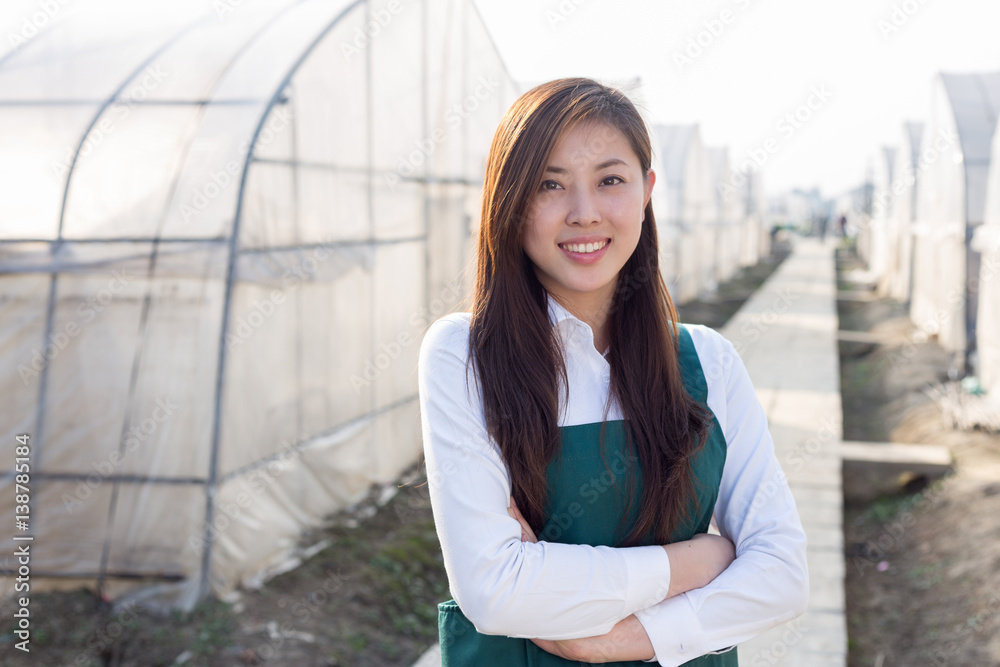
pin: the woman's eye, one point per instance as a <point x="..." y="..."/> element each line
<point x="549" y="185"/>
<point x="612" y="180"/>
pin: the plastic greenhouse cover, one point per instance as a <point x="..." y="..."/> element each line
<point x="673" y="147"/>
<point x="913" y="132"/>
<point x="951" y="201"/>
<point x="335" y="123"/>
<point x="987" y="241"/>
<point x="975" y="102"/>
<point x="674" y="142"/>
<point x="201" y="56"/>
<point x="86" y="51"/>
<point x="942" y="191"/>
<point x="36" y="149"/>
<point x="898" y="279"/>
<point x="151" y="295"/>
<point x="718" y="166"/>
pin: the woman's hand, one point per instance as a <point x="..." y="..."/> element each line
<point x="697" y="562"/>
<point x="626" y="641"/>
<point x="527" y="534"/>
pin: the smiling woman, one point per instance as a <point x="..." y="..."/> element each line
<point x="572" y="357"/>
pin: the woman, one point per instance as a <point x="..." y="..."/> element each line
<point x="571" y="406"/>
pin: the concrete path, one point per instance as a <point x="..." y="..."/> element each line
<point x="786" y="334"/>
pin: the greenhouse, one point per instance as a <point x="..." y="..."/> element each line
<point x="755" y="238"/>
<point x="729" y="214"/>
<point x="950" y="206"/>
<point x="686" y="211"/>
<point x="898" y="277"/>
<point x="873" y="232"/>
<point x="224" y="229"/>
<point x="986" y="241"/>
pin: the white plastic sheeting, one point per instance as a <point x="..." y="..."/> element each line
<point x="950" y="206"/>
<point x="217" y="223"/>
<point x="687" y="215"/>
<point x="987" y="242"/>
<point x="729" y="212"/>
<point x="874" y="235"/>
<point x="755" y="239"/>
<point x="896" y="280"/>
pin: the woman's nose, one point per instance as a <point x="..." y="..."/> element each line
<point x="583" y="207"/>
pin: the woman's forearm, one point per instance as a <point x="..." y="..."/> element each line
<point x="696" y="562"/>
<point x="693" y="564"/>
<point x="626" y="641"/>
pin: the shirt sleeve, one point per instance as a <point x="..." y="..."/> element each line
<point x="768" y="583"/>
<point x="505" y="586"/>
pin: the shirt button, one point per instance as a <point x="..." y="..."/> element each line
<point x="606" y="376"/>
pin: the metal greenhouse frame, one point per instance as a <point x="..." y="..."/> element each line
<point x="216" y="238"/>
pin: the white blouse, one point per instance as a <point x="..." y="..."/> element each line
<point x="563" y="591"/>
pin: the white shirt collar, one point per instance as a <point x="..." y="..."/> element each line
<point x="558" y="314"/>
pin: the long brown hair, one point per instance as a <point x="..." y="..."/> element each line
<point x="516" y="352"/>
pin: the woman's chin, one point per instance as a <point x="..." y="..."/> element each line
<point x="585" y="286"/>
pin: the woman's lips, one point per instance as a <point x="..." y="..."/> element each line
<point x="586" y="257"/>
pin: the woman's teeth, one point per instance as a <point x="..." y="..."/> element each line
<point x="583" y="247"/>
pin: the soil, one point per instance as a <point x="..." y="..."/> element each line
<point x="923" y="564"/>
<point x="368" y="599"/>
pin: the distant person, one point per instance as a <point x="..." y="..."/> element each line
<point x="578" y="439"/>
<point x="842" y="225"/>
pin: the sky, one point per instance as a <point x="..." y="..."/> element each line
<point x="848" y="72"/>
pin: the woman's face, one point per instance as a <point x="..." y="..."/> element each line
<point x="584" y="221"/>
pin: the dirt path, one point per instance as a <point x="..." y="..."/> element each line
<point x="923" y="569"/>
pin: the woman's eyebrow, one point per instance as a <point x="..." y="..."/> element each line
<point x="604" y="165"/>
<point x="610" y="163"/>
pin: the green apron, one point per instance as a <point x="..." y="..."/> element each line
<point x="585" y="509"/>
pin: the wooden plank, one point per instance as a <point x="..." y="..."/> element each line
<point x="874" y="469"/>
<point x="896" y="452"/>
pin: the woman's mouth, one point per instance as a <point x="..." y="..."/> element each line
<point x="584" y="248"/>
<point x="585" y="253"/>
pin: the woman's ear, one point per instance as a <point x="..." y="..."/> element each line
<point x="650" y="181"/>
